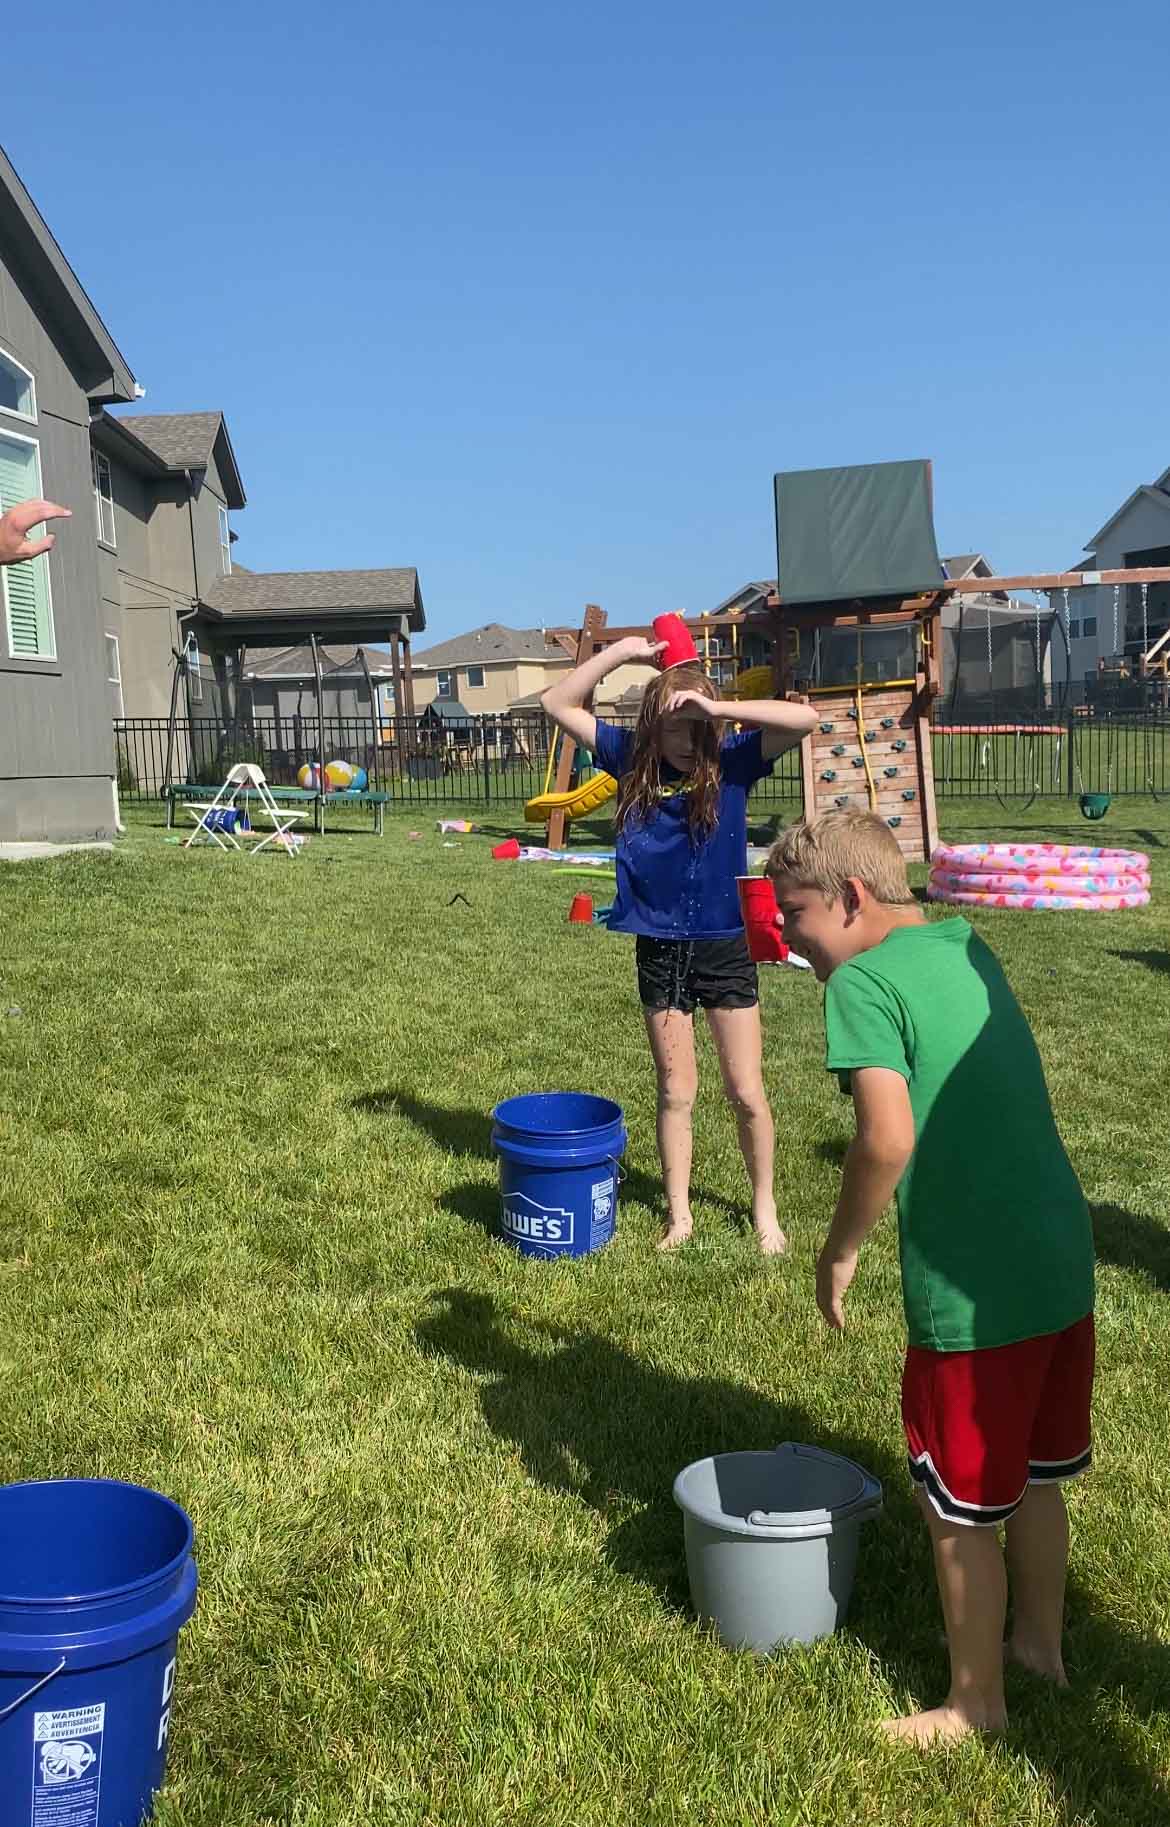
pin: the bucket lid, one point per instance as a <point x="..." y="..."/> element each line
<point x="792" y="1492"/>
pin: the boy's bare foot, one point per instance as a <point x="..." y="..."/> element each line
<point x="944" y="1725"/>
<point x="676" y="1231"/>
<point x="1038" y="1661"/>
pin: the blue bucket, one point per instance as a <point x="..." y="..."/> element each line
<point x="559" y="1153"/>
<point x="96" y="1581"/>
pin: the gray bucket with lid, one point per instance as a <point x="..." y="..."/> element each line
<point x="771" y="1540"/>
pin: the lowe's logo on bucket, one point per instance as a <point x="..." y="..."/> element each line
<point x="526" y="1221"/>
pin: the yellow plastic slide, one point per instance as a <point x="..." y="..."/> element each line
<point x="583" y="799"/>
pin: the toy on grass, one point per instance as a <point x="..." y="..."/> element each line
<point x="508" y="851"/>
<point x="581" y="910"/>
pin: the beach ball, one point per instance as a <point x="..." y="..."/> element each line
<point x="308" y="776"/>
<point x="361" y="780"/>
<point x="339" y="774"/>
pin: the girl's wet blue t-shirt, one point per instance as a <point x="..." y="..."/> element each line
<point x="668" y="885"/>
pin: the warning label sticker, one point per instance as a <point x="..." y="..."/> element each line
<point x="67" y="1772"/>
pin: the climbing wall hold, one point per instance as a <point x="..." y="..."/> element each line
<point x="899" y="748"/>
<point x="842" y="799"/>
<point x="829" y="774"/>
<point x="893" y="823"/>
<point x="838" y="748"/>
<point x="826" y="729"/>
<point x="909" y="793"/>
<point x="890" y="773"/>
<point x="887" y="723"/>
<point x="858" y="762"/>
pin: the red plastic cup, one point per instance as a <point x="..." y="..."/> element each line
<point x="680" y="649"/>
<point x="757" y="900"/>
<point x="508" y="851"/>
<point x="581" y="912"/>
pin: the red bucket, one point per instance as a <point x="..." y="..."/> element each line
<point x="680" y="649"/>
<point x="757" y="900"/>
<point x="508" y="851"/>
<point x="581" y="912"/>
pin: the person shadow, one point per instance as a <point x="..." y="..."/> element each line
<point x="1130" y="1240"/>
<point x="1153" y="960"/>
<point x="595" y="1424"/>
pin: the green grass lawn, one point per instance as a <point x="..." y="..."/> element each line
<point x="247" y="1256"/>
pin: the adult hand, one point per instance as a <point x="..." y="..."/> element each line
<point x="834" y="1274"/>
<point x="637" y="648"/>
<point x="15" y="545"/>
<point x="695" y="702"/>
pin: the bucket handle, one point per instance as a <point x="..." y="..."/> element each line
<point x="35" y="1689"/>
<point x="619" y="1170"/>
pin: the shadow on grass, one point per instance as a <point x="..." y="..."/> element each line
<point x="1154" y="961"/>
<point x="462" y="1131"/>
<point x="1129" y="1240"/>
<point x="598" y="1425"/>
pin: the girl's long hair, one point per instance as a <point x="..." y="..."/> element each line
<point x="642" y="786"/>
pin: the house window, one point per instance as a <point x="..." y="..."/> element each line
<point x="225" y="543"/>
<point x="114" y="669"/>
<point x="1074" y="631"/>
<point x="475" y="678"/>
<point x="28" y="603"/>
<point x="103" y="499"/>
<point x="1089" y="626"/>
<point x="18" y="393"/>
<point x="444" y="685"/>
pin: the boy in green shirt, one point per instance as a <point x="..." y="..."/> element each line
<point x="996" y="1249"/>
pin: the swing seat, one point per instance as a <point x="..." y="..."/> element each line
<point x="1094" y="805"/>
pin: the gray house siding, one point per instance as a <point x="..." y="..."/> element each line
<point x="1143" y="528"/>
<point x="56" y="744"/>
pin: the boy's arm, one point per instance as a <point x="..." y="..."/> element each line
<point x="783" y="724"/>
<point x="565" y="701"/>
<point x="876" y="1161"/>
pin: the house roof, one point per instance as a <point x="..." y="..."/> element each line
<point x="183" y="441"/>
<point x="963" y="564"/>
<point x="24" y="230"/>
<point x="283" y="593"/>
<point x="759" y="589"/>
<point x="493" y="644"/>
<point x="448" y="710"/>
<point x="336" y="663"/>
<point x="1158" y="492"/>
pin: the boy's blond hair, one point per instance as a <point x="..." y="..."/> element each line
<point x="826" y="852"/>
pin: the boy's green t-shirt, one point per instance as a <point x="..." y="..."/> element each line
<point x="994" y="1232"/>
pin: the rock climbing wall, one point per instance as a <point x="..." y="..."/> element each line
<point x="834" y="769"/>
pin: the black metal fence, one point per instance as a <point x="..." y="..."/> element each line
<point x="504" y="760"/>
<point x="501" y="760"/>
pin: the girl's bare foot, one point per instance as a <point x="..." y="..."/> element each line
<point x="1037" y="1660"/>
<point x="676" y="1231"/>
<point x="944" y="1725"/>
<point x="769" y="1236"/>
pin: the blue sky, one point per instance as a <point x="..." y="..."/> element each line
<point x="538" y="298"/>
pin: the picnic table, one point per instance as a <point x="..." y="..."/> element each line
<point x="181" y="794"/>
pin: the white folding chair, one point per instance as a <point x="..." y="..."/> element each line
<point x="283" y="817"/>
<point x="208" y="821"/>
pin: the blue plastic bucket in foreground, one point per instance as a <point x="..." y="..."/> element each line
<point x="96" y="1581"/>
<point x="559" y="1154"/>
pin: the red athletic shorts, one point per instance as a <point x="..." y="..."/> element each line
<point x="982" y="1426"/>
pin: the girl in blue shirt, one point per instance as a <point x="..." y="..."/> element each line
<point x="681" y="841"/>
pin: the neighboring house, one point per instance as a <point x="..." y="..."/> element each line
<point x="59" y="366"/>
<point x="1104" y="624"/>
<point x="494" y="668"/>
<point x="282" y="687"/>
<point x="164" y="487"/>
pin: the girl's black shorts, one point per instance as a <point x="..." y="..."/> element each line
<point x="707" y="973"/>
